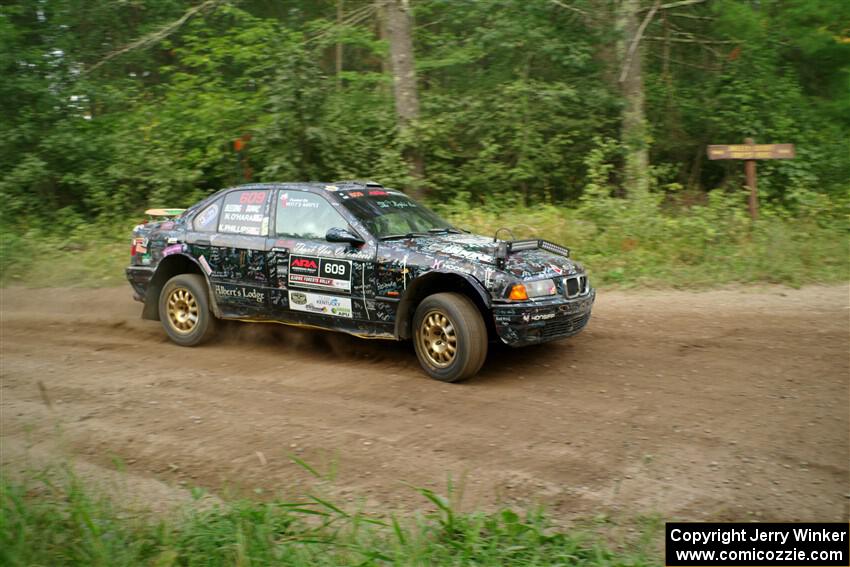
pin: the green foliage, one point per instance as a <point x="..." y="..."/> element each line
<point x="514" y="99"/>
<point x="774" y="71"/>
<point x="708" y="245"/>
<point x="63" y="524"/>
<point x="520" y="115"/>
<point x="649" y="242"/>
<point x="85" y="256"/>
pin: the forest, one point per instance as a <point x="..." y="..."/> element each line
<point x="581" y="120"/>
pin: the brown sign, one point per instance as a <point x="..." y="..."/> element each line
<point x="751" y="151"/>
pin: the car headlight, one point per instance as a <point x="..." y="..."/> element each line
<point x="533" y="290"/>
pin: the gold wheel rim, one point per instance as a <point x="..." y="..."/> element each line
<point x="182" y="310"/>
<point x="437" y="339"/>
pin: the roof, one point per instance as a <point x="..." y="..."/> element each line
<point x="343" y="185"/>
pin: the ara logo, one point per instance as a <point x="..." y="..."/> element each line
<point x="304" y="265"/>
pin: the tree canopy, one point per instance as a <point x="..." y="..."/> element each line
<point x="109" y="107"/>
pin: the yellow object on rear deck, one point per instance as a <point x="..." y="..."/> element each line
<point x="164" y="212"/>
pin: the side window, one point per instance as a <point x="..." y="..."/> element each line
<point x="205" y="220"/>
<point x="305" y="215"/>
<point x="245" y="212"/>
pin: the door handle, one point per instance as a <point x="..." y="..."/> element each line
<point x="202" y="242"/>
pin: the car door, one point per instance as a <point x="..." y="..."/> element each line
<point x="329" y="284"/>
<point x="237" y="259"/>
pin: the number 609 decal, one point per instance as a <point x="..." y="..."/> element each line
<point x="335" y="269"/>
<point x="320" y="273"/>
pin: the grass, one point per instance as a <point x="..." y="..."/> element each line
<point x="95" y="257"/>
<point x="45" y="523"/>
<point x="685" y="250"/>
<point x="621" y="244"/>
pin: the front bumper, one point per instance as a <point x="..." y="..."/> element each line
<point x="139" y="277"/>
<point x="532" y="322"/>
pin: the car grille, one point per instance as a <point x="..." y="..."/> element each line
<point x="575" y="286"/>
<point x="564" y="327"/>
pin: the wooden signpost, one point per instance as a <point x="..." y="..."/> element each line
<point x="749" y="151"/>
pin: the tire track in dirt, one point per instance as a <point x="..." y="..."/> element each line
<point x="722" y="404"/>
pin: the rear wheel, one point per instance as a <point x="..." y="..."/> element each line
<point x="184" y="310"/>
<point x="449" y="337"/>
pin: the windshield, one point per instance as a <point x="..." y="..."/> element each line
<point x="390" y="214"/>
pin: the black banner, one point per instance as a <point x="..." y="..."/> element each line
<point x="758" y="544"/>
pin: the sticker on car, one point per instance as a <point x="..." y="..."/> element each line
<point x="320" y="304"/>
<point x="245" y="212"/>
<point x="207" y="217"/>
<point x="238" y="293"/>
<point x="320" y="273"/>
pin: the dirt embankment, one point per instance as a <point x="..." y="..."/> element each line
<point x="721" y="405"/>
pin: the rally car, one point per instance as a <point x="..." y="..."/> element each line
<point x="358" y="258"/>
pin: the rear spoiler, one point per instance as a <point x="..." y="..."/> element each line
<point x="506" y="247"/>
<point x="164" y="212"/>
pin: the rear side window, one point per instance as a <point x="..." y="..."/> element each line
<point x="205" y="221"/>
<point x="245" y="212"/>
<point x="306" y="215"/>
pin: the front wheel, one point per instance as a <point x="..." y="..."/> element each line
<point x="449" y="337"/>
<point x="184" y="310"/>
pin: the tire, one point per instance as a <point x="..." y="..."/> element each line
<point x="184" y="310"/>
<point x="444" y="320"/>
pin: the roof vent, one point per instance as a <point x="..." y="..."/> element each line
<point x="364" y="182"/>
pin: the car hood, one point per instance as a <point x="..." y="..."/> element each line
<point x="472" y="253"/>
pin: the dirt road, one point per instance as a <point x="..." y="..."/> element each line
<point x="712" y="405"/>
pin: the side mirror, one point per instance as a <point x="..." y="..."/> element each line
<point x="343" y="235"/>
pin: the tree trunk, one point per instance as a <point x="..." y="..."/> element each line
<point x="338" y="54"/>
<point x="399" y="34"/>
<point x="634" y="134"/>
<point x="383" y="35"/>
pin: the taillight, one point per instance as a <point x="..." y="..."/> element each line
<point x="137" y="245"/>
